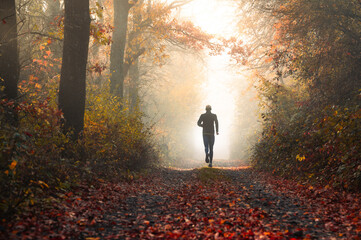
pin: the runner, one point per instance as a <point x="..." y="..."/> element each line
<point x="207" y="121"/>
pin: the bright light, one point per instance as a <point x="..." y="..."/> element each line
<point x="219" y="94"/>
<point x="213" y="16"/>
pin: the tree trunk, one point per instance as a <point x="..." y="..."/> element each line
<point x="9" y="55"/>
<point x="134" y="85"/>
<point x="73" y="72"/>
<point x="121" y="11"/>
<point x="133" y="62"/>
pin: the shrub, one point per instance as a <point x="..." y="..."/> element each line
<point x="30" y="153"/>
<point x="116" y="140"/>
<point x="319" y="146"/>
<point x="37" y="160"/>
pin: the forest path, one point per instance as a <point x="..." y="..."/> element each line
<point x="210" y="203"/>
<point x="198" y="203"/>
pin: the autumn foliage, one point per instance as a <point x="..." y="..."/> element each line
<point x="311" y="98"/>
<point x="39" y="157"/>
<point x="55" y="184"/>
<point x="206" y="203"/>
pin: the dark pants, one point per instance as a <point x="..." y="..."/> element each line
<point x="208" y="141"/>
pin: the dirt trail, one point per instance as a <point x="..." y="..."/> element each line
<point x="197" y="203"/>
<point x="284" y="212"/>
<point x="224" y="203"/>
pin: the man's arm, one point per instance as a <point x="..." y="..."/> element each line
<point x="216" y="122"/>
<point x="199" y="123"/>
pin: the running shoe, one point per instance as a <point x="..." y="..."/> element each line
<point x="207" y="158"/>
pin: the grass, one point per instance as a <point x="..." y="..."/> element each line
<point x="210" y="175"/>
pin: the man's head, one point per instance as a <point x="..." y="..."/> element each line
<point x="208" y="108"/>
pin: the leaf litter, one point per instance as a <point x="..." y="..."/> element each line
<point x="206" y="203"/>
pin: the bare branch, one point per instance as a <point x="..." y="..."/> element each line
<point x="177" y="4"/>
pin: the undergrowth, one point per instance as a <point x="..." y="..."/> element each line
<point x="38" y="161"/>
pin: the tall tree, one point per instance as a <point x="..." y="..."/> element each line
<point x="121" y="12"/>
<point x="134" y="84"/>
<point x="9" y="55"/>
<point x="73" y="72"/>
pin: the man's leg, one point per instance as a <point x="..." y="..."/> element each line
<point x="211" y="143"/>
<point x="206" y="144"/>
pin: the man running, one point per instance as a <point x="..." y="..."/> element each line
<point x="207" y="121"/>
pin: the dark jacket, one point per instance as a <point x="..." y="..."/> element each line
<point x="207" y="121"/>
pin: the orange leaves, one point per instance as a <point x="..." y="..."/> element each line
<point x="237" y="50"/>
<point x="300" y="158"/>
<point x="40" y="183"/>
<point x="231" y="204"/>
<point x="268" y="60"/>
<point x="13" y="165"/>
<point x="32" y="78"/>
<point x="101" y="32"/>
<point x="97" y="68"/>
<point x="11" y="168"/>
<point x="41" y="62"/>
<point x="229" y="235"/>
<point x="156" y="207"/>
<point x="45" y="60"/>
<point x="156" y="28"/>
<point x="189" y="35"/>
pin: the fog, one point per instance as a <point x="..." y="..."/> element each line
<point x="217" y="91"/>
<point x="191" y="80"/>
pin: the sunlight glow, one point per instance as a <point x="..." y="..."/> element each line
<point x="218" y="93"/>
<point x="215" y="17"/>
<point x="212" y="16"/>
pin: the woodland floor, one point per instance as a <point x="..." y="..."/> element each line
<point x="201" y="203"/>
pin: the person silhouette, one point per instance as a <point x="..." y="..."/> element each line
<point x="207" y="121"/>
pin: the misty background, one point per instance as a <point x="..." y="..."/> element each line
<point x="190" y="80"/>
